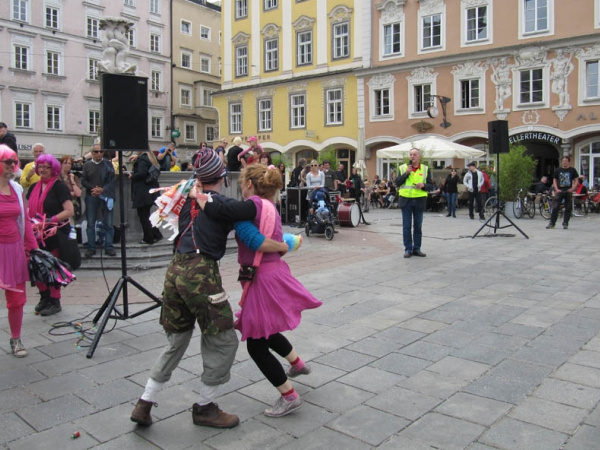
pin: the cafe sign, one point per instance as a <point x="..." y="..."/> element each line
<point x="535" y="136"/>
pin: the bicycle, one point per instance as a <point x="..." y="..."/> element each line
<point x="491" y="204"/>
<point x="579" y="209"/>
<point x="524" y="205"/>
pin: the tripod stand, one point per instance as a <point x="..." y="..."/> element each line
<point x="109" y="309"/>
<point x="496" y="216"/>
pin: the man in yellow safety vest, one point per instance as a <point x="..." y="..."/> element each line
<point x="413" y="184"/>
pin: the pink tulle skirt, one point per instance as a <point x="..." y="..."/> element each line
<point x="274" y="302"/>
<point x="13" y="264"/>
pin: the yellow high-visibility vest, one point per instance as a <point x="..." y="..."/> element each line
<point x="409" y="188"/>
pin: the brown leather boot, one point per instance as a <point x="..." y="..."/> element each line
<point x="211" y="416"/>
<point x="141" y="413"/>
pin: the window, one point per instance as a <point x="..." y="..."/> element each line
<point x="186" y="27"/>
<point x="432" y="31"/>
<point x="154" y="6"/>
<point x="334" y="107"/>
<point x="298" y="110"/>
<point x="211" y="133"/>
<point x="52" y="60"/>
<point x="536" y="15"/>
<point x="186" y="59"/>
<point x="235" y="118"/>
<point x="207" y="97"/>
<point x="382" y="102"/>
<point x="51" y="19"/>
<point x="422" y="97"/>
<point x="129" y="2"/>
<point x="185" y="95"/>
<point x="477" y="20"/>
<point x="19" y="10"/>
<point x="304" y="48"/>
<point x="392" y="39"/>
<point x="531" y="88"/>
<point x="23" y="115"/>
<point x="130" y="35"/>
<point x="21" y="57"/>
<point x="93" y="27"/>
<point x="93" y="121"/>
<point x="156" y="126"/>
<point x="591" y="79"/>
<point x="341" y="40"/>
<point x="265" y="114"/>
<point x="53" y="118"/>
<point x="190" y="132"/>
<point x="270" y="4"/>
<point x="469" y="94"/>
<point x="205" y="64"/>
<point x="154" y="43"/>
<point x="241" y="61"/>
<point x="204" y="33"/>
<point x="241" y="9"/>
<point x="93" y="69"/>
<point x="155" y="80"/>
<point x="271" y="55"/>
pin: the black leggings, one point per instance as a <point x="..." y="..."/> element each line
<point x="264" y="359"/>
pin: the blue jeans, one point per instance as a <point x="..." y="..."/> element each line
<point x="451" y="200"/>
<point x="412" y="215"/>
<point x="92" y="206"/>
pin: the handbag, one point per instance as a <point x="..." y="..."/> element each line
<point x="69" y="250"/>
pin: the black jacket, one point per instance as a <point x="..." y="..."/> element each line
<point x="140" y="194"/>
<point x="10" y="140"/>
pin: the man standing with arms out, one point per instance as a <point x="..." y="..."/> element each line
<point x="413" y="184"/>
<point x="98" y="177"/>
<point x="473" y="181"/>
<point x="7" y="138"/>
<point x="565" y="183"/>
<point x="28" y="177"/>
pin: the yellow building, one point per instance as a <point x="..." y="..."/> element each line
<point x="284" y="59"/>
<point x="533" y="63"/>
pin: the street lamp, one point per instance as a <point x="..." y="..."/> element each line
<point x="433" y="112"/>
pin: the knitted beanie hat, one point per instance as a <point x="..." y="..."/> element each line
<point x="208" y="166"/>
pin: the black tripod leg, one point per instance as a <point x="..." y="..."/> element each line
<point x="513" y="224"/>
<point x="492" y="217"/>
<point x="362" y="216"/>
<point x="158" y="301"/>
<point x="108" y="305"/>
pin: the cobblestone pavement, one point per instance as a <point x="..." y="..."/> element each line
<point x="487" y="343"/>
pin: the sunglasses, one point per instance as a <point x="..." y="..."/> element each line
<point x="314" y="165"/>
<point x="97" y="151"/>
<point x="10" y="162"/>
<point x="44" y="167"/>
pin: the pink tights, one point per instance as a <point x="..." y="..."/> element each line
<point x="15" y="301"/>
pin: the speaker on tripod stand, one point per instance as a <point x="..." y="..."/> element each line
<point x="124" y="128"/>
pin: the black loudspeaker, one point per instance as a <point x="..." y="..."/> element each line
<point x="124" y="112"/>
<point x="297" y="205"/>
<point x="498" y="136"/>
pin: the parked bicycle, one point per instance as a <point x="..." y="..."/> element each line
<point x="524" y="204"/>
<point x="491" y="205"/>
<point x="579" y="209"/>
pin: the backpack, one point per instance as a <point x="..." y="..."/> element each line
<point x="153" y="175"/>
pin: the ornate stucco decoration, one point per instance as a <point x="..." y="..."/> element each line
<point x="340" y="14"/>
<point x="531" y="117"/>
<point x="430" y="6"/>
<point x="422" y="73"/>
<point x="263" y="93"/>
<point x="381" y="80"/>
<point x="532" y="56"/>
<point x="303" y="23"/>
<point x="235" y="98"/>
<point x="469" y="69"/>
<point x="471" y="3"/>
<point x="271" y="31"/>
<point x="115" y="46"/>
<point x="334" y="82"/>
<point x="391" y="10"/>
<point x="501" y="77"/>
<point x="241" y="38"/>
<point x="298" y="87"/>
<point x="562" y="66"/>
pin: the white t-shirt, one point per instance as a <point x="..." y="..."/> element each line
<point x="315" y="180"/>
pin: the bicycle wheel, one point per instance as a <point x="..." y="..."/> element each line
<point x="518" y="208"/>
<point x="545" y="208"/>
<point x="490" y="206"/>
<point x="530" y="207"/>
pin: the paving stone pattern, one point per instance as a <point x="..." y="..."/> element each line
<point x="487" y="343"/>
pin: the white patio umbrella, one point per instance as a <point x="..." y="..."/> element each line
<point x="431" y="147"/>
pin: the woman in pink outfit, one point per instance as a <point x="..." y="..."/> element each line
<point x="16" y="241"/>
<point x="273" y="300"/>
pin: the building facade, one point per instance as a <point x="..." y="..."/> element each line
<point x="49" y="83"/>
<point x="197" y="71"/>
<point x="533" y="63"/>
<point x="285" y="59"/>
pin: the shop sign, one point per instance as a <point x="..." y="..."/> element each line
<point x="531" y="136"/>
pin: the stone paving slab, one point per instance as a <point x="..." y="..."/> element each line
<point x="488" y="343"/>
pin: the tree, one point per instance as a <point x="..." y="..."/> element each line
<point x="516" y="172"/>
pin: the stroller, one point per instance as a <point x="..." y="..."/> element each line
<point x="319" y="219"/>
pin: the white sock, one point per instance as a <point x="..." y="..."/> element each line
<point x="207" y="394"/>
<point x="152" y="388"/>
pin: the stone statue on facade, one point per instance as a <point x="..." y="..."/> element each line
<point x="501" y="78"/>
<point x="561" y="69"/>
<point x="115" y="46"/>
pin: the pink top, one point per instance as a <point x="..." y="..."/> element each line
<point x="9" y="213"/>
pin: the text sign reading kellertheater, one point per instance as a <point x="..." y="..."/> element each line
<point x="535" y="136"/>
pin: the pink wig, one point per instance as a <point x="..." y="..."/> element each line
<point x="7" y="153"/>
<point x="46" y="158"/>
